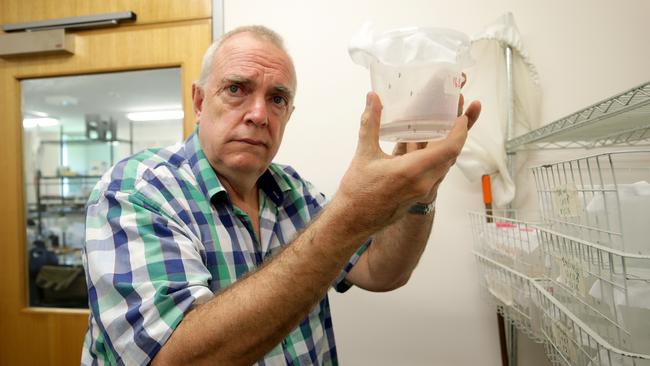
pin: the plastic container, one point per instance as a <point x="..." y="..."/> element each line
<point x="417" y="73"/>
<point x="632" y="203"/>
<point x="420" y="102"/>
<point x="509" y="241"/>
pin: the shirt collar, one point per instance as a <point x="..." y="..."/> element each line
<point x="273" y="185"/>
<point x="205" y="175"/>
<point x="271" y="182"/>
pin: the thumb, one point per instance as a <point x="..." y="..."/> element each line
<point x="369" y="129"/>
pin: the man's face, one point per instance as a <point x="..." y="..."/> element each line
<point x="245" y="105"/>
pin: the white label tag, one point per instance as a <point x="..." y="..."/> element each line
<point x="573" y="276"/>
<point x="565" y="201"/>
<point x="453" y="82"/>
<point x="565" y="343"/>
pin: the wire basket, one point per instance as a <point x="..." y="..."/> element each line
<point x="512" y="293"/>
<point x="505" y="237"/>
<point x="604" y="199"/>
<point x="569" y="341"/>
<point x="608" y="289"/>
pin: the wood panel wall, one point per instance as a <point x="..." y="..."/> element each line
<point x="147" y="11"/>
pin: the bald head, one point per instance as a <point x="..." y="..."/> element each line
<point x="258" y="31"/>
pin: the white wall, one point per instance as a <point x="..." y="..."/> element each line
<point x="585" y="50"/>
<point x="159" y="133"/>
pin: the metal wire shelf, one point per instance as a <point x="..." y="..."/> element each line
<point x="506" y="238"/>
<point x="511" y="291"/>
<point x="623" y="119"/>
<point x="569" y="340"/>
<point x="605" y="287"/>
<point x="603" y="198"/>
<point x="537" y="308"/>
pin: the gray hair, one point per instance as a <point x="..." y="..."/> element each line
<point x="258" y="31"/>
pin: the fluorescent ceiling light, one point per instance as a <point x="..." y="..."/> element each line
<point x="155" y="115"/>
<point x="40" y="122"/>
<point x="36" y="113"/>
<point x="61" y="100"/>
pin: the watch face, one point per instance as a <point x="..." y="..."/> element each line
<point x="423" y="209"/>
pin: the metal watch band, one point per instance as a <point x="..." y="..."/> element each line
<point x="423" y="208"/>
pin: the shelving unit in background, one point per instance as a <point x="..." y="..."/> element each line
<point x="560" y="306"/>
<point x="622" y="120"/>
<point x="61" y="202"/>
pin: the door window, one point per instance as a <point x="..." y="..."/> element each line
<point x="74" y="129"/>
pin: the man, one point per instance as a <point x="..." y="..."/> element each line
<point x="210" y="254"/>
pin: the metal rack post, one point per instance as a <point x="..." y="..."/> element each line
<point x="510" y="111"/>
<point x="511" y="333"/>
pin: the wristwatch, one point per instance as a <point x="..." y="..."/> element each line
<point x="423" y="208"/>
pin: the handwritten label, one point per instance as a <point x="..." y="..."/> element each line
<point x="565" y="201"/>
<point x="565" y="343"/>
<point x="453" y="83"/>
<point x="573" y="276"/>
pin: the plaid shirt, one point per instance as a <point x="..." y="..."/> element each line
<point x="163" y="236"/>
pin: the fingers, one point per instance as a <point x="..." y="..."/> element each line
<point x="402" y="148"/>
<point x="458" y="132"/>
<point x="463" y="123"/>
<point x="461" y="99"/>
<point x="474" y="109"/>
<point x="414" y="146"/>
<point x="399" y="149"/>
<point x="369" y="129"/>
<point x="440" y="154"/>
<point x="472" y="113"/>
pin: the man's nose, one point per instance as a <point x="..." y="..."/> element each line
<point x="258" y="113"/>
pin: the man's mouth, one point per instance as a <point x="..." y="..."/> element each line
<point x="251" y="142"/>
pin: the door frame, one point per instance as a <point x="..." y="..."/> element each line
<point x="50" y="336"/>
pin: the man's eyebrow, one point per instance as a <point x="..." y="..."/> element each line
<point x="242" y="80"/>
<point x="236" y="79"/>
<point x="281" y="89"/>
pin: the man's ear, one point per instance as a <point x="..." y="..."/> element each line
<point x="197" y="100"/>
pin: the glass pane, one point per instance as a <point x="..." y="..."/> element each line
<point x="74" y="129"/>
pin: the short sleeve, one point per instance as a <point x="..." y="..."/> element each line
<point x="341" y="284"/>
<point x="144" y="273"/>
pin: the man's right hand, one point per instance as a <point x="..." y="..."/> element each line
<point x="379" y="188"/>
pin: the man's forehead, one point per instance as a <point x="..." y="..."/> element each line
<point x="243" y="53"/>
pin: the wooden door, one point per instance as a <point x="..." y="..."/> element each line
<point x="167" y="33"/>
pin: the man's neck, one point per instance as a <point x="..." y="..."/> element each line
<point x="241" y="189"/>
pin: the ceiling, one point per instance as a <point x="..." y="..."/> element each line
<point x="111" y="95"/>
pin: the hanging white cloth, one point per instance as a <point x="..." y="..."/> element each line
<point x="484" y="151"/>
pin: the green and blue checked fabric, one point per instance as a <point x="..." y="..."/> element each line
<point x="162" y="237"/>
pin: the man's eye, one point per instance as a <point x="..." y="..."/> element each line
<point x="234" y="89"/>
<point x="279" y="100"/>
